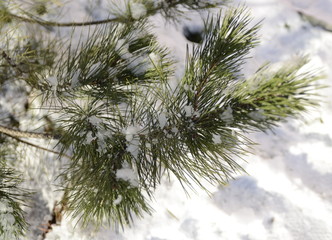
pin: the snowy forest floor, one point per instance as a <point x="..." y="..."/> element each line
<point x="287" y="191"/>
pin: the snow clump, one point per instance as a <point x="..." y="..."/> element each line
<point x="174" y="130"/>
<point x="133" y="147"/>
<point x="53" y="81"/>
<point x="130" y="131"/>
<point x="137" y="64"/>
<point x="95" y="121"/>
<point x="101" y="138"/>
<point x="127" y="174"/>
<point x="257" y="115"/>
<point x="75" y="80"/>
<point x="216" y="138"/>
<point x="131" y="134"/>
<point x="138" y="10"/>
<point x="154" y="58"/>
<point x="89" y="137"/>
<point x="227" y="115"/>
<point x="162" y="119"/>
<point x="3" y="206"/>
<point x="122" y="47"/>
<point x="189" y="111"/>
<point x="118" y="200"/>
<point x="94" y="69"/>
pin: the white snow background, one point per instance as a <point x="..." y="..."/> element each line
<point x="287" y="191"/>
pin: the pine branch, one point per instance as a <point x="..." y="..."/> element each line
<point x="193" y="132"/>
<point x="34" y="19"/>
<point x="12" y="222"/>
<point x="126" y="127"/>
<point x="107" y="66"/>
<point x="222" y="54"/>
<point x="165" y="7"/>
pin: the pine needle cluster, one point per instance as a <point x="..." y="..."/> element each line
<point x="122" y="122"/>
<point x="12" y="197"/>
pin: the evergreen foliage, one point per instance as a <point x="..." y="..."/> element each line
<point x="12" y="224"/>
<point x="123" y="124"/>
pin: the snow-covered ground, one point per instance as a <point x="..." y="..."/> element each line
<point x="287" y="191"/>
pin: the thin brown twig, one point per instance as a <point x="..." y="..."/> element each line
<point x="36" y="146"/>
<point x="65" y="24"/>
<point x="39" y="147"/>
<point x="18" y="133"/>
<point x="42" y="22"/>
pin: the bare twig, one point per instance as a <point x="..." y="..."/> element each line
<point x="65" y="24"/>
<point x="39" y="147"/>
<point x="23" y="134"/>
<point x="33" y="19"/>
